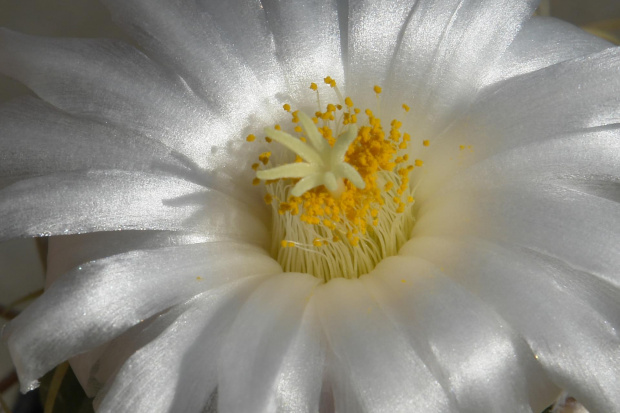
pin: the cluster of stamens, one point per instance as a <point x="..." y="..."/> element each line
<point x="344" y="201"/>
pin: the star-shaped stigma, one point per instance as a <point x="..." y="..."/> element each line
<point x="324" y="164"/>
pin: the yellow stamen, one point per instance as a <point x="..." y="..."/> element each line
<point x="344" y="200"/>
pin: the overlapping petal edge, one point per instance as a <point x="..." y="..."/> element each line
<point x="507" y="291"/>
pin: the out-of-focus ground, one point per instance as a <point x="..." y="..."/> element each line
<point x="20" y="268"/>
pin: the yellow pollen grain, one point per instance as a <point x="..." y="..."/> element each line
<point x="250" y="138"/>
<point x="264" y="157"/>
<point x="419" y="162"/>
<point x="426" y="142"/>
<point x="255" y="166"/>
<point x="329" y="81"/>
<point x="268" y="139"/>
<point x="353" y="219"/>
<point x="255" y="181"/>
<point x="406" y="107"/>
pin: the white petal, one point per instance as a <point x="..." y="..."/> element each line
<point x="591" y="155"/>
<point x="36" y="139"/>
<point x="112" y="82"/>
<point x="97" y="367"/>
<point x="575" y="227"/>
<point x="308" y="45"/>
<point x="243" y="23"/>
<point x="272" y="357"/>
<point x="568" y="317"/>
<point x="566" y="98"/>
<point x="177" y="370"/>
<point x="187" y="39"/>
<point x="445" y="51"/>
<point x="485" y="364"/>
<point x="99" y="300"/>
<point x="374" y="34"/>
<point x="542" y="42"/>
<point x="374" y="361"/>
<point x="66" y="252"/>
<point x="111" y="200"/>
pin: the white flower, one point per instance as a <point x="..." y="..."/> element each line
<point x="505" y="290"/>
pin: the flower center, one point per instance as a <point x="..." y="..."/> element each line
<point x="344" y="201"/>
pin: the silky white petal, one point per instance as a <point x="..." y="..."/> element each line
<point x="111" y="200"/>
<point x="374" y="34"/>
<point x="97" y="301"/>
<point x="243" y="24"/>
<point x="36" y="139"/>
<point x="112" y="82"/>
<point x="308" y="45"/>
<point x="542" y="42"/>
<point x="566" y="98"/>
<point x="445" y="50"/>
<point x="272" y="359"/>
<point x="67" y="252"/>
<point x="544" y="300"/>
<point x="593" y="155"/>
<point x="485" y="364"/>
<point x="176" y="371"/>
<point x="576" y="227"/>
<point x="98" y="366"/>
<point x="184" y="37"/>
<point x="339" y="392"/>
<point x="373" y="359"/>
